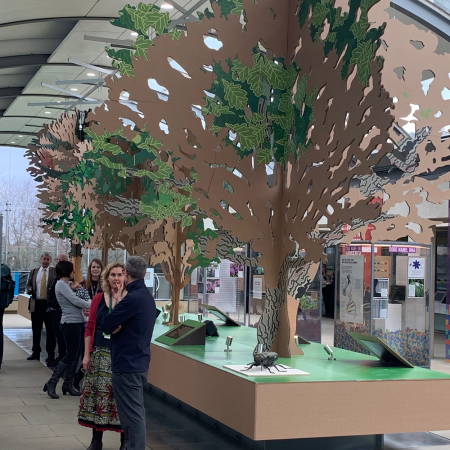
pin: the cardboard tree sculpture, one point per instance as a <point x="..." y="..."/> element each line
<point x="63" y="188"/>
<point x="416" y="75"/>
<point x="158" y="218"/>
<point x="293" y="112"/>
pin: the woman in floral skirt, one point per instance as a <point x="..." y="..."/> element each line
<point x="97" y="404"/>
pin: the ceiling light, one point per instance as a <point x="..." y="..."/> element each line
<point x="58" y="101"/>
<point x="20" y="135"/>
<point x="13" y="142"/>
<point x="74" y="89"/>
<point x="133" y="33"/>
<point x="166" y="6"/>
<point x="90" y="74"/>
<point x="47" y="112"/>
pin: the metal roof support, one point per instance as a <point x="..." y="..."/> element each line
<point x="88" y="81"/>
<point x="90" y="66"/>
<point x="66" y="92"/>
<point x="95" y="102"/>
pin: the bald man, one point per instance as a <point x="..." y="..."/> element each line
<point x="56" y="312"/>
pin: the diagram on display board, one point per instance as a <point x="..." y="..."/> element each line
<point x="416" y="268"/>
<point x="352" y="288"/>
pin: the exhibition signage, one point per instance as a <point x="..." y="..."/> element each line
<point x="394" y="249"/>
<point x="352" y="288"/>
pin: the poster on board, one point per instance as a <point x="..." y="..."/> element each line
<point x="257" y="287"/>
<point x="416" y="268"/>
<point x="352" y="288"/>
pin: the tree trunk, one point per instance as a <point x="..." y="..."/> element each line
<point x="174" y="317"/>
<point x="277" y="326"/>
<point x="105" y="250"/>
<point x="76" y="256"/>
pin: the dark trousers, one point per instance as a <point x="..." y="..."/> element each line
<point x="129" y="395"/>
<point x="56" y="321"/>
<point x="72" y="333"/>
<point x="2" y="311"/>
<point x="38" y="318"/>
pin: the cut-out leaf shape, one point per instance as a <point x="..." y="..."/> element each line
<point x="235" y="95"/>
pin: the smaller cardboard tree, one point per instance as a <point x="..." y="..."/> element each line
<point x="64" y="187"/>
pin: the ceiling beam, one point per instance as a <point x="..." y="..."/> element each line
<point x="13" y="92"/>
<point x="24" y="147"/>
<point x="2" y="116"/>
<point x="23" y="133"/>
<point x="53" y="19"/>
<point x="10" y="62"/>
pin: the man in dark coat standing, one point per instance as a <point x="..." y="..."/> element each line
<point x="131" y="323"/>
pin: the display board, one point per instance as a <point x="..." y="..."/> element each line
<point x="189" y="332"/>
<point x="220" y="315"/>
<point x="352" y="288"/>
<point x="380" y="349"/>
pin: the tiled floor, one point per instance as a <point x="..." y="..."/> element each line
<point x="30" y="420"/>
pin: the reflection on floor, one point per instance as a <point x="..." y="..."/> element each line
<point x="168" y="426"/>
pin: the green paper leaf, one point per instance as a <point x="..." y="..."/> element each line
<point x="175" y="34"/>
<point x="250" y="136"/>
<point x="264" y="156"/>
<point x="142" y="45"/>
<point x="319" y="14"/>
<point x="363" y="56"/>
<point x="235" y="95"/>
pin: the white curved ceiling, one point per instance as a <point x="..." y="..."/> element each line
<point x="37" y="38"/>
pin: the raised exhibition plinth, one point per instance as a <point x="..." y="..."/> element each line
<point x="353" y="396"/>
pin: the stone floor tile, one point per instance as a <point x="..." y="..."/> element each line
<point x="51" y="417"/>
<point x="53" y="443"/>
<point x="12" y="419"/>
<point x="25" y="432"/>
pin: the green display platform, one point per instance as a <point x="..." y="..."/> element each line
<point x="349" y="366"/>
<point x="342" y="404"/>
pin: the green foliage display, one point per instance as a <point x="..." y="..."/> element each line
<point x="347" y="32"/>
<point x="141" y="19"/>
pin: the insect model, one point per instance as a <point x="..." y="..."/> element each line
<point x="265" y="360"/>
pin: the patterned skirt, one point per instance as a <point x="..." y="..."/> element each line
<point x="97" y="404"/>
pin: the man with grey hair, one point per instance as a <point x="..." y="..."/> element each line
<point x="40" y="282"/>
<point x="131" y="323"/>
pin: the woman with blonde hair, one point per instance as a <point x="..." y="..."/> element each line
<point x="97" y="404"/>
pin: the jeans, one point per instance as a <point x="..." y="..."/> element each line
<point x="72" y="333"/>
<point x="56" y="321"/>
<point x="2" y="311"/>
<point x="38" y="318"/>
<point x="129" y="395"/>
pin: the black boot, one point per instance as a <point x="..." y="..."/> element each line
<point x="68" y="387"/>
<point x="50" y="386"/>
<point x="123" y="442"/>
<point x="68" y="383"/>
<point x="96" y="443"/>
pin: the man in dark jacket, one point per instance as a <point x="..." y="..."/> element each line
<point x="131" y="323"/>
<point x="39" y="285"/>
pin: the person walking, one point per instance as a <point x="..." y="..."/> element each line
<point x="39" y="284"/>
<point x="97" y="404"/>
<point x="71" y="326"/>
<point x="55" y="314"/>
<point x="131" y="323"/>
<point x="6" y="298"/>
